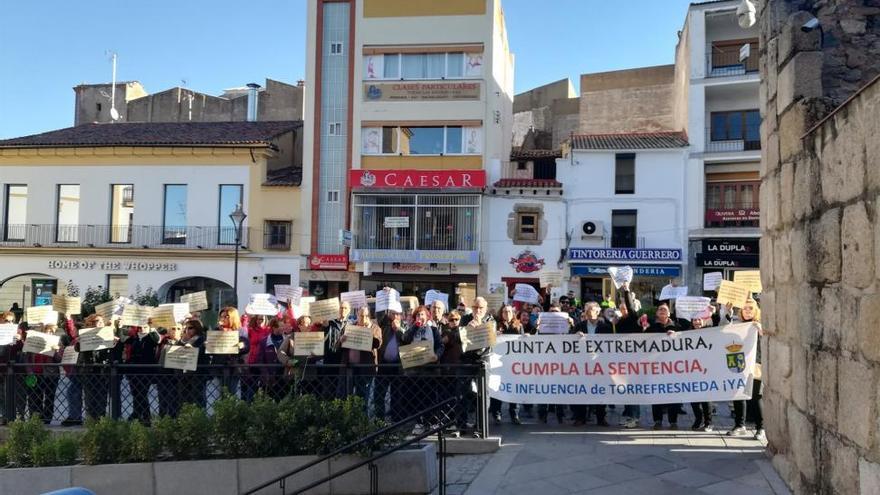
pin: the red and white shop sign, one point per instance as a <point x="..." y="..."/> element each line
<point x="417" y="179"/>
<point x="328" y="262"/>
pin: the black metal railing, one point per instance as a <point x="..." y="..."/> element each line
<point x="57" y="393"/>
<point x="442" y="415"/>
<point x="725" y="61"/>
<point x="721" y="142"/>
<point x="119" y="236"/>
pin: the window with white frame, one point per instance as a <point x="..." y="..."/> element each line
<point x="335" y="129"/>
<point x="422" y="140"/>
<point x="333" y="196"/>
<point x="336" y="48"/>
<point x="416" y="66"/>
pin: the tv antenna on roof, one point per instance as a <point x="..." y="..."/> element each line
<point x="114" y="114"/>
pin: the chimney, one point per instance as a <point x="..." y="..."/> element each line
<point x="252" y="102"/>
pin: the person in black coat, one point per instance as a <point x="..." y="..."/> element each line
<point x="664" y="324"/>
<point x="142" y="350"/>
<point x="590" y="324"/>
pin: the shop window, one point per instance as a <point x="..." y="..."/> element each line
<point x="117" y="285"/>
<point x="276" y="234"/>
<point x="174" y="216"/>
<point x="625" y="173"/>
<point x="623" y="228"/>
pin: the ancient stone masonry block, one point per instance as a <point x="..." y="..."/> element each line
<point x="869" y="477"/>
<point x="772" y="71"/>
<point x="843" y="462"/>
<point x="801" y="434"/>
<point x="786" y="193"/>
<point x="801" y="77"/>
<point x="825" y="246"/>
<point x="798" y="379"/>
<point x="871" y="131"/>
<point x="857" y="401"/>
<point x="823" y="392"/>
<point x="770" y="154"/>
<point x="793" y="40"/>
<point x="779" y="360"/>
<point x="769" y="200"/>
<point x="774" y="419"/>
<point x="857" y="244"/>
<point x="782" y="258"/>
<point x="804" y="314"/>
<point x="800" y="256"/>
<point x="793" y="123"/>
<point x="806" y="187"/>
<point x="842" y="159"/>
<point x="868" y="327"/>
<point x="849" y="310"/>
<point x="768" y="308"/>
<point x="831" y="317"/>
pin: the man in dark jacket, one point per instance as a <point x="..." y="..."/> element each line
<point x="590" y="324"/>
<point x="664" y="324"/>
<point x="333" y="385"/>
<point x="388" y="381"/>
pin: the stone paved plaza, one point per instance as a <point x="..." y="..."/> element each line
<point x="549" y="459"/>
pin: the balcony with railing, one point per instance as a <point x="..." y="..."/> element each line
<point x="722" y="141"/>
<point x="723" y="59"/>
<point x="119" y="237"/>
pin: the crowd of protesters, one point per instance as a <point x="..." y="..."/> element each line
<point x="266" y="361"/>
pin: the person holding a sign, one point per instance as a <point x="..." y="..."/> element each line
<point x="229" y="320"/>
<point x="141" y="349"/>
<point x="41" y="395"/>
<point x="358" y="358"/>
<point x="271" y="375"/>
<point x="393" y="330"/>
<point x="507" y="324"/>
<point x="590" y="324"/>
<point x="702" y="410"/>
<point x="663" y="323"/>
<point x="94" y="371"/>
<point x="334" y="387"/>
<point x="168" y="384"/>
<point x="194" y="384"/>
<point x="420" y="331"/>
<point x="750" y="312"/>
<point x="258" y="330"/>
<point x="543" y="409"/>
<point x="438" y="313"/>
<point x="8" y="354"/>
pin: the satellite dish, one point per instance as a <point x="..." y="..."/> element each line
<point x="114" y="114"/>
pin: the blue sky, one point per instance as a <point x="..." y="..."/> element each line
<point x="47" y="47"/>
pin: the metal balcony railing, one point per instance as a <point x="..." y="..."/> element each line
<point x="719" y="142"/>
<point x="120" y="236"/>
<point x="723" y="62"/>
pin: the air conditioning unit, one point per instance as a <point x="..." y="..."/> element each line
<point x="592" y="229"/>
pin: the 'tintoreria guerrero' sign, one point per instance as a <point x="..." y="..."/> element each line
<point x="622" y="254"/>
<point x="417" y="179"/>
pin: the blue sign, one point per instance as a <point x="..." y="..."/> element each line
<point x="623" y="254"/>
<point x="639" y="271"/>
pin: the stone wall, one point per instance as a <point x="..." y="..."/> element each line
<point x="820" y="250"/>
<point x="633" y="100"/>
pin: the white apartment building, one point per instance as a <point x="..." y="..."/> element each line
<point x="146" y="205"/>
<point x="717" y="84"/>
<point x="409" y="119"/>
<point x="625" y="204"/>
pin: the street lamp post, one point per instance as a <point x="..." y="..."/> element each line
<point x="237" y="217"/>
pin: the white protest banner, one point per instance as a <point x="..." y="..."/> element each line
<point x="688" y="307"/>
<point x="262" y="304"/>
<point x="712" y="280"/>
<point x="220" y="342"/>
<point x="181" y="357"/>
<point x="7" y="333"/>
<point x="733" y="293"/>
<point x="710" y="365"/>
<point x="308" y="343"/>
<point x="525" y="293"/>
<point x="288" y="294"/>
<point x="197" y="301"/>
<point x="553" y="322"/>
<point x="97" y="339"/>
<point x="749" y="278"/>
<point x="435" y="295"/>
<point x="417" y="354"/>
<point x="163" y="317"/>
<point x="478" y="337"/>
<point x="358" y="338"/>
<point x="69" y="305"/>
<point x="324" y="310"/>
<point x="671" y="292"/>
<point x="135" y="316"/>
<point x="356" y="299"/>
<point x="620" y="275"/>
<point x="69" y="356"/>
<point x="41" y="343"/>
<point x="547" y="279"/>
<point x="36" y="315"/>
<point x="388" y="299"/>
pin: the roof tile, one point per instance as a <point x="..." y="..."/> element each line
<point x="629" y="141"/>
